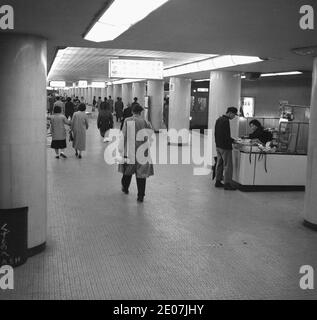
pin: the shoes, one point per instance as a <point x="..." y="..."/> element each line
<point x="228" y="186"/>
<point x="125" y="190"/>
<point x="63" y="155"/>
<point x="57" y="157"/>
<point x="76" y="154"/>
<point x="79" y="157"/>
<point x="219" y="184"/>
<point x="140" y="199"/>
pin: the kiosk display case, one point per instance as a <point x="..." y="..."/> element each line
<point x="280" y="165"/>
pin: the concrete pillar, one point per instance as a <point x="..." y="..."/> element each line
<point x="104" y="93"/>
<point x="23" y="134"/>
<point x="139" y="91"/>
<point x="85" y="93"/>
<point x="310" y="204"/>
<point x="224" y="92"/>
<point x="179" y="108"/>
<point x="110" y="91"/>
<point x="127" y="93"/>
<point x="117" y="91"/>
<point x="156" y="97"/>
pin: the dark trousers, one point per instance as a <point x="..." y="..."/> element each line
<point x="126" y="181"/>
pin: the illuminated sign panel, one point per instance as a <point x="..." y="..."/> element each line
<point x="135" y="69"/>
<point x="57" y="84"/>
<point x="98" y="84"/>
<point x="82" y="84"/>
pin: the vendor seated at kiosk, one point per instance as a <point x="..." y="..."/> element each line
<point x="258" y="132"/>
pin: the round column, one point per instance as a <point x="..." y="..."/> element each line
<point x="224" y="92"/>
<point x="156" y="96"/>
<point x="127" y="93"/>
<point x="117" y="91"/>
<point x="310" y="205"/>
<point x="23" y="131"/>
<point x="110" y="92"/>
<point x="139" y="91"/>
<point x="179" y="109"/>
<point x="104" y="93"/>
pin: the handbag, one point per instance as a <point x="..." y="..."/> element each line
<point x="71" y="137"/>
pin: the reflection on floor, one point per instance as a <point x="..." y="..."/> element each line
<point x="188" y="240"/>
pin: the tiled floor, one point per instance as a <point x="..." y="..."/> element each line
<point x="188" y="240"/>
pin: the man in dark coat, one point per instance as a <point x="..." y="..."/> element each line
<point x="224" y="149"/>
<point x="104" y="120"/>
<point x="69" y="108"/>
<point x="119" y="109"/>
<point x="127" y="113"/>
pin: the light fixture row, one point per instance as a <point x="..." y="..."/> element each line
<point x="119" y="17"/>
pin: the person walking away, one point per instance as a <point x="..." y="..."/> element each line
<point x="58" y="122"/>
<point x="59" y="103"/>
<point x="99" y="102"/>
<point x="79" y="125"/>
<point x="69" y="108"/>
<point x="224" y="149"/>
<point x="135" y="102"/>
<point x="127" y="113"/>
<point x="139" y="168"/>
<point x="105" y="104"/>
<point x="51" y="103"/>
<point x="94" y="102"/>
<point x="110" y="101"/>
<point x="119" y="109"/>
<point x="104" y="121"/>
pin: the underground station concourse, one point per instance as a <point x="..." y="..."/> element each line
<point x="83" y="237"/>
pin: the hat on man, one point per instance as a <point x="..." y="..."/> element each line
<point x="232" y="110"/>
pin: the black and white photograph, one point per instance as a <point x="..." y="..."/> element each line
<point x="158" y="155"/>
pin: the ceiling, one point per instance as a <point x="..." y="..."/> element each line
<point x="268" y="29"/>
<point x="91" y="64"/>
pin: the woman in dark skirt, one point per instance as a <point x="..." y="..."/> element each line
<point x="58" y="121"/>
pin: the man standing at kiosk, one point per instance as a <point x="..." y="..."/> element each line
<point x="224" y="149"/>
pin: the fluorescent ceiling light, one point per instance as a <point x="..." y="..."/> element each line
<point x="290" y="73"/>
<point x="201" y="80"/>
<point x="127" y="81"/>
<point x="119" y="17"/>
<point x="218" y="62"/>
<point x="57" y="60"/>
<point x="57" y="84"/>
<point x="281" y="74"/>
<point x="98" y="84"/>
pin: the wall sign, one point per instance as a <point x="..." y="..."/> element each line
<point x="247" y="107"/>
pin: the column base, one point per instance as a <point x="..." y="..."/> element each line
<point x="310" y="225"/>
